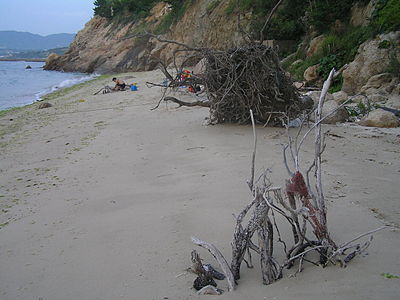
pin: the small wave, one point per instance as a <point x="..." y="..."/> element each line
<point x="64" y="84"/>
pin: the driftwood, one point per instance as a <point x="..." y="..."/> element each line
<point x="209" y="290"/>
<point x="220" y="259"/>
<point x="205" y="277"/>
<point x="301" y="205"/>
<point x="184" y="103"/>
<point x="236" y="81"/>
<point x="105" y="90"/>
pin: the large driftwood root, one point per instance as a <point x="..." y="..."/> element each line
<point x="249" y="78"/>
<point x="236" y="81"/>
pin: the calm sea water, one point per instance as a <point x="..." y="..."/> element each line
<point x="20" y="86"/>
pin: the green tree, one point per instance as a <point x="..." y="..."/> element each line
<point x="103" y="8"/>
<point x="115" y="8"/>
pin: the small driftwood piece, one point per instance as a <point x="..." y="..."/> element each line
<point x="105" y="90"/>
<point x="204" y="278"/>
<point x="95" y="93"/>
<point x="209" y="290"/>
<point x="184" y="103"/>
<point x="220" y="259"/>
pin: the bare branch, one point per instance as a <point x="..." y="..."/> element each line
<point x="184" y="103"/>
<point x="253" y="158"/>
<point x="268" y="20"/>
<point x="340" y="249"/>
<point x="157" y="37"/>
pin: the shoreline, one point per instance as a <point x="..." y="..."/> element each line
<point x="100" y="196"/>
<point x="63" y="86"/>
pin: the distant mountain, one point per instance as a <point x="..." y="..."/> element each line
<point x="28" y="41"/>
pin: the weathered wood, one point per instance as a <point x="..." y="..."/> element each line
<point x="269" y="268"/>
<point x="242" y="236"/>
<point x="184" y="103"/>
<point x="253" y="157"/>
<point x="220" y="259"/>
<point x="301" y="205"/>
<point x="209" y="290"/>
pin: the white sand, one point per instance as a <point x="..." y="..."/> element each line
<point x="101" y="198"/>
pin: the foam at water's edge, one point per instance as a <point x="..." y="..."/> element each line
<point x="64" y="84"/>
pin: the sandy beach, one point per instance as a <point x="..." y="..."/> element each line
<point x="99" y="197"/>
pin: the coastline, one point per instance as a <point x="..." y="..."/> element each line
<point x="32" y="85"/>
<point x="55" y="94"/>
<point x="24" y="59"/>
<point x="100" y="196"/>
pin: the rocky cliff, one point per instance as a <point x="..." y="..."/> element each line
<point x="103" y="47"/>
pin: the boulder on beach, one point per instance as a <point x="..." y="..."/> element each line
<point x="380" y="118"/>
<point x="44" y="105"/>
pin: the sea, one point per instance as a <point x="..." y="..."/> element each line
<point x="20" y="86"/>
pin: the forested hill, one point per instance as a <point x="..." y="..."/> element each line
<point x="27" y="41"/>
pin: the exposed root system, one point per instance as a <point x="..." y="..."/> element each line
<point x="236" y="81"/>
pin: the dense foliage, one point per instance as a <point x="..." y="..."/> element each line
<point x="290" y="22"/>
<point x="387" y="15"/>
<point x="337" y="49"/>
<point x="294" y="17"/>
<point x="113" y="8"/>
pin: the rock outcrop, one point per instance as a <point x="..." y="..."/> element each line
<point x="361" y="14"/>
<point x="333" y="113"/>
<point x="315" y="44"/>
<point x="311" y="74"/>
<point x="315" y="95"/>
<point x="104" y="47"/>
<point x="373" y="58"/>
<point x="380" y="118"/>
<point x="340" y="97"/>
<point x="100" y="48"/>
<point x="331" y="107"/>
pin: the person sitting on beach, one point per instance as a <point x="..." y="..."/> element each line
<point x="119" y="84"/>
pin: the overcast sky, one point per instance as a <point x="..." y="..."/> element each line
<point x="45" y="17"/>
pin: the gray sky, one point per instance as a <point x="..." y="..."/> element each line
<point x="45" y="17"/>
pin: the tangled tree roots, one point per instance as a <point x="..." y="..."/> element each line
<point x="247" y="78"/>
<point x="239" y="80"/>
